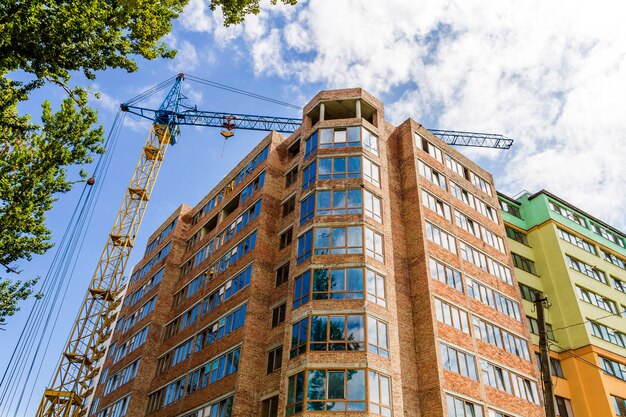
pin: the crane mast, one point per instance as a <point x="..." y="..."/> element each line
<point x="78" y="364"/>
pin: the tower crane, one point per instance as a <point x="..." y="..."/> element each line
<point x="86" y="345"/>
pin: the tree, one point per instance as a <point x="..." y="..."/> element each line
<point x="46" y="41"/>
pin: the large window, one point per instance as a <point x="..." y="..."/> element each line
<point x="326" y="390"/>
<point x="511" y="209"/>
<point x="310" y="145"/>
<point x="274" y="359"/>
<point x="485" y="262"/>
<point x="565" y="212"/>
<point x="452" y="316"/>
<point x="371" y="172"/>
<point x="533" y="326"/>
<point x="608" y="334"/>
<point x="597" y="300"/>
<point x="516" y="235"/>
<point x="337" y="332"/>
<point x="494" y="299"/>
<point x="340" y="137"/>
<point x="377" y="341"/>
<point x="524" y="264"/>
<point x="445" y="274"/>
<point x="607" y="234"/>
<point x="507" y="381"/>
<point x="432" y="175"/>
<point x="458" y="407"/>
<point x="339" y="167"/>
<point x="500" y="337"/>
<point x="615" y="260"/>
<point x="458" y="361"/>
<point x="339" y="240"/>
<point x="481" y="232"/>
<point x="299" y="339"/>
<point x="308" y="175"/>
<point x="590" y="271"/>
<point x="428" y="147"/>
<point x="339" y="284"/>
<point x="440" y="237"/>
<point x="620" y="405"/>
<point x="339" y="202"/>
<point x="577" y="240"/>
<point x="374" y="245"/>
<point x="305" y="246"/>
<point x="436" y="205"/>
<point x="373" y="206"/>
<point x="380" y="394"/>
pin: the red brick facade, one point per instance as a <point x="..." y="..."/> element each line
<point x="414" y="365"/>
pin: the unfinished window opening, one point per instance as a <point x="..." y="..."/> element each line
<point x="230" y="207"/>
<point x="294" y="149"/>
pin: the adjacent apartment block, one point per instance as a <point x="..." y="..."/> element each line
<point x="354" y="268"/>
<point x="579" y="263"/>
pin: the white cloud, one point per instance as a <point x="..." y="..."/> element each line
<point x="186" y="59"/>
<point x="197" y="16"/>
<point x="552" y="75"/>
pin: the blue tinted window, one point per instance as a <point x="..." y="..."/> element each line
<point x="307" y="209"/>
<point x="305" y="246"/>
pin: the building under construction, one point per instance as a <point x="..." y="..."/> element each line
<point x="354" y="267"/>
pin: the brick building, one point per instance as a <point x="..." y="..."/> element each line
<point x="354" y="268"/>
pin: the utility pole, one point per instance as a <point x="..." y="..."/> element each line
<point x="546" y="373"/>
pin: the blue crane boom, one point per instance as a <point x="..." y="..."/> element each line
<point x="174" y="114"/>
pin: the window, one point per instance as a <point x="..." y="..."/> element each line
<point x="299" y="333"/>
<point x="620" y="405"/>
<point x="590" y="271"/>
<point x="371" y="172"/>
<point x="500" y="337"/>
<point x="338" y="332"/>
<point x="161" y="237"/>
<point x="182" y="352"/>
<point x="291" y="177"/>
<point x="608" y="334"/>
<point x="295" y="393"/>
<point x="337" y="284"/>
<point x="440" y="237"/>
<point x="253" y="187"/>
<point x="555" y="365"/>
<point x="278" y="314"/>
<point x="619" y="284"/>
<point x="607" y="234"/>
<point x="533" y="326"/>
<point x="223" y="293"/>
<point x="302" y="289"/>
<point x="565" y="212"/>
<point x="374" y="245"/>
<point x="117" y="409"/>
<point x="451" y="316"/>
<point x="470" y="225"/>
<point x="524" y="388"/>
<point x="480" y="183"/>
<point x="274" y="359"/>
<point x="376" y="287"/>
<point x="282" y="274"/>
<point x="339" y="167"/>
<point x="294" y="149"/>
<point x="528" y="293"/>
<point x="431" y="175"/>
<point x="524" y="264"/>
<point x="339" y="202"/>
<point x="517" y="235"/>
<point x="493" y="299"/>
<point x="462" y="194"/>
<point x="563" y="407"/>
<point x="511" y="209"/>
<point x="336" y="390"/>
<point x="380" y="394"/>
<point x="307" y="209"/>
<point x="310" y="145"/>
<point x="373" y="206"/>
<point x="94" y="406"/>
<point x="289" y="205"/>
<point x="496" y="377"/>
<point x="454" y="165"/>
<point x="339" y="137"/>
<point x="428" y="147"/>
<point x="576" y="240"/>
<point x="597" y="300"/>
<point x="339" y="240"/>
<point x="285" y="238"/>
<point x="305" y="246"/>
<point x="270" y="407"/>
<point x="445" y="274"/>
<point x="615" y="260"/>
<point x="457" y="361"/>
<point x="370" y="140"/>
<point x="220" y="328"/>
<point x="458" y="407"/>
<point x="308" y="175"/>
<point x="377" y="337"/>
<point x="436" y="205"/>
<point x="486" y="263"/>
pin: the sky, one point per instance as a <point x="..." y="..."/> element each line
<point x="549" y="74"/>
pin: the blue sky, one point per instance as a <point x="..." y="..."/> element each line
<point x="551" y="75"/>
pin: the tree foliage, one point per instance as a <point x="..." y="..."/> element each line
<point x="235" y="11"/>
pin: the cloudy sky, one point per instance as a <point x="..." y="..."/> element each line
<point x="550" y="74"/>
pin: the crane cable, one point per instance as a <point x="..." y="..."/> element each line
<point x="38" y="322"/>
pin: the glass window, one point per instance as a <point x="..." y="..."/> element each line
<point x="337" y="284"/>
<point x="371" y="172"/>
<point x="339" y="167"/>
<point x="339" y="202"/>
<point x="516" y="235"/>
<point x="370" y="141"/>
<point x="445" y="274"/>
<point x="428" y="147"/>
<point x="302" y="289"/>
<point x="440" y="237"/>
<point x="524" y="264"/>
<point x="590" y="271"/>
<point x="374" y="245"/>
<point x="620" y="405"/>
<point x="337" y="332"/>
<point x="458" y="407"/>
<point x="274" y="359"/>
<point x="310" y="145"/>
<point x="295" y="394"/>
<point x="377" y="337"/>
<point x="376" y="287"/>
<point x="373" y="206"/>
<point x="305" y="246"/>
<point x="278" y="315"/>
<point x="339" y="240"/>
<point x="307" y="209"/>
<point x="299" y="331"/>
<point x="380" y="394"/>
<point x="457" y="361"/>
<point x="308" y="175"/>
<point x="451" y="316"/>
<point x="345" y="389"/>
<point x="431" y="175"/>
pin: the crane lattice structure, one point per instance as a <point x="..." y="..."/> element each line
<point x="78" y="366"/>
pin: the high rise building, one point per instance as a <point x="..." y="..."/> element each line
<point x="354" y="268"/>
<point x="579" y="263"/>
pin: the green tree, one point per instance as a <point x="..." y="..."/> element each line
<point x="235" y="11"/>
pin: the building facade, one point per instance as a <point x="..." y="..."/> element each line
<point x="579" y="263"/>
<point x="353" y="268"/>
